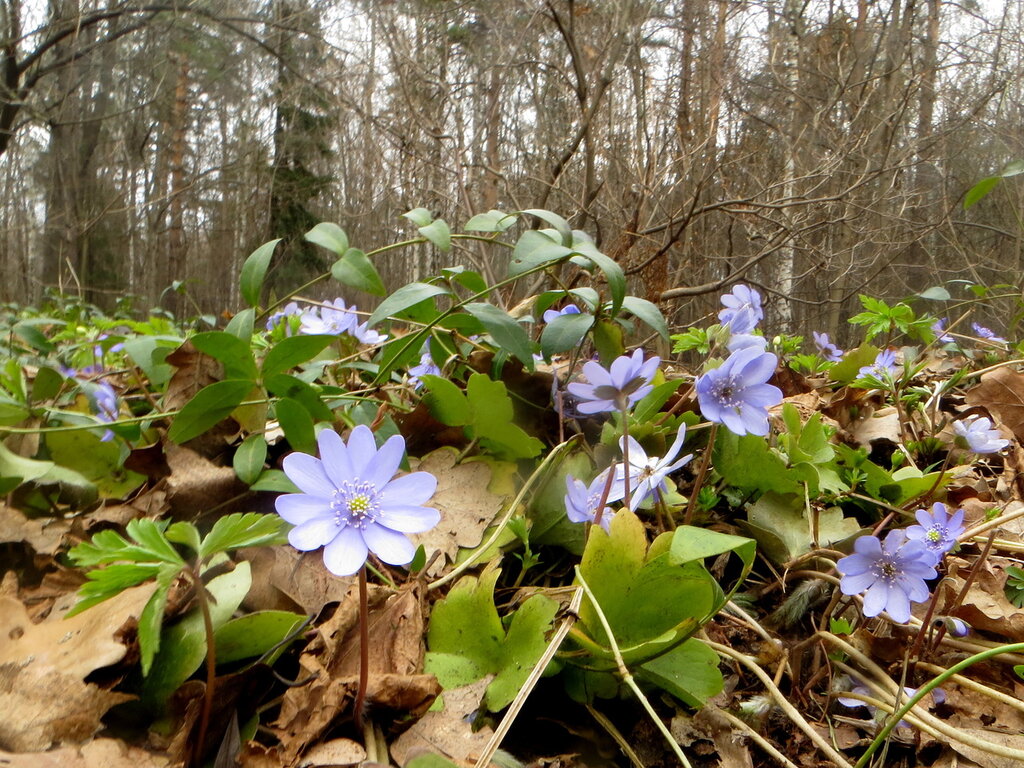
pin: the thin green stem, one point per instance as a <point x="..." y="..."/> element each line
<point x="691" y="505"/>
<point x="211" y="662"/>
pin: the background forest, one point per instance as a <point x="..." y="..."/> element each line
<point x="815" y="149"/>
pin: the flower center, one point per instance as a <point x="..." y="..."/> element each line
<point x="887" y="570"/>
<point x="935" y="535"/>
<point x="726" y="393"/>
<point x="355" y="503"/>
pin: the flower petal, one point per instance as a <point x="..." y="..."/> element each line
<point x="298" y="508"/>
<point x="898" y="604"/>
<point x="346" y="554"/>
<point x="390" y="546"/>
<point x="876" y="598"/>
<point x="412" y="489"/>
<point x="334" y="456"/>
<point x="307" y="472"/>
<point x="362" y="449"/>
<point x="854" y="584"/>
<point x="385" y="464"/>
<point x="314" y="533"/>
<point x="408" y="518"/>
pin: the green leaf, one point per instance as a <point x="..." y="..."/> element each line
<point x="565" y="332"/>
<point x="210" y="405"/>
<point x="184" y="532"/>
<point x="506" y="332"/>
<point x="356" y="270"/>
<point x="467" y="640"/>
<point x="689" y="672"/>
<point x="438" y="233"/>
<point x="292" y="352"/>
<point x="239" y="530"/>
<point x="651" y="602"/>
<point x="297" y="425"/>
<point x="493" y="423"/>
<point x="936" y="293"/>
<point x="421" y="217"/>
<point x="30" y="334"/>
<point x="183" y="645"/>
<point x="283" y="385"/>
<point x="97" y="461"/>
<point x="492" y="221"/>
<point x="329" y="236"/>
<point x="431" y="760"/>
<point x="249" y="458"/>
<point x="533" y="249"/>
<point x="608" y="341"/>
<point x="446" y="401"/>
<point x="648" y="312"/>
<point x="26" y="470"/>
<point x="254" y="270"/>
<point x="254" y="634"/>
<point x="233" y="352"/>
<point x="405" y="297"/>
<point x="46" y="385"/>
<point x="152" y="618"/>
<point x="749" y="464"/>
<point x="149" y="353"/>
<point x="242" y="324"/>
<point x="651" y="403"/>
<point x="783" y="531"/>
<point x="616" y="280"/>
<point x="275" y="481"/>
<point x="556" y="221"/>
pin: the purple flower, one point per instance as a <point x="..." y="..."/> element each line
<point x="352" y="503"/>
<point x="737" y="394"/>
<point x="647" y="473"/>
<point x="937" y="694"/>
<point x="745" y="340"/>
<point x="581" y="501"/>
<point x="977" y="434"/>
<point x="937" y="531"/>
<point x="882" y="369"/>
<point x="986" y="333"/>
<point x="616" y="388"/>
<point x="954" y="626"/>
<point x="290" y="309"/>
<point x="826" y="349"/>
<point x="742" y="309"/>
<point x="939" y="329"/>
<point x="426" y="366"/>
<point x="568" y="309"/>
<point x="891" y="574"/>
<point x="332" y="320"/>
<point x="364" y="335"/>
<point x="104" y="402"/>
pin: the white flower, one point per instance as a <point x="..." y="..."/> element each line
<point x="647" y="473"/>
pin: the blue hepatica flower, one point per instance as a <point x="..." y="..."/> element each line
<point x="939" y="329"/>
<point x="647" y="473"/>
<point x="891" y="574"/>
<point x="987" y="334"/>
<point x="581" y="501"/>
<point x="737" y="394"/>
<point x="104" y="402"/>
<point x="938" y="696"/>
<point x="289" y="310"/>
<point x="333" y="319"/>
<point x="826" y="349"/>
<point x="568" y="309"/>
<point x="976" y="433"/>
<point x="937" y="530"/>
<point x="618" y="387"/>
<point x="744" y="340"/>
<point x="883" y="369"/>
<point x="742" y="309"/>
<point x="426" y="366"/>
<point x="352" y="503"/>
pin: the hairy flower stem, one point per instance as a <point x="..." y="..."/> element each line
<point x="211" y="662"/>
<point x="691" y="505"/>
<point x="364" y="647"/>
<point x="624" y="409"/>
<point x="959" y="599"/>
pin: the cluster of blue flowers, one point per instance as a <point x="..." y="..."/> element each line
<point x="891" y="574"/>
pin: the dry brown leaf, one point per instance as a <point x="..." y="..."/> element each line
<point x="194" y="371"/>
<point x="985" y="606"/>
<point x="331" y="662"/>
<point x="1013" y="740"/>
<point x="883" y="425"/>
<point x="336" y="752"/>
<point x="98" y="753"/>
<point x="44" y="534"/>
<point x="196" y="483"/>
<point x="285" y="579"/>
<point x="42" y="667"/>
<point x="465" y="501"/>
<point x="447" y="732"/>
<point x="1002" y="392"/>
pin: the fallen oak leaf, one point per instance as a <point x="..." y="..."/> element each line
<point x="43" y="666"/>
<point x="1002" y="392"/>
